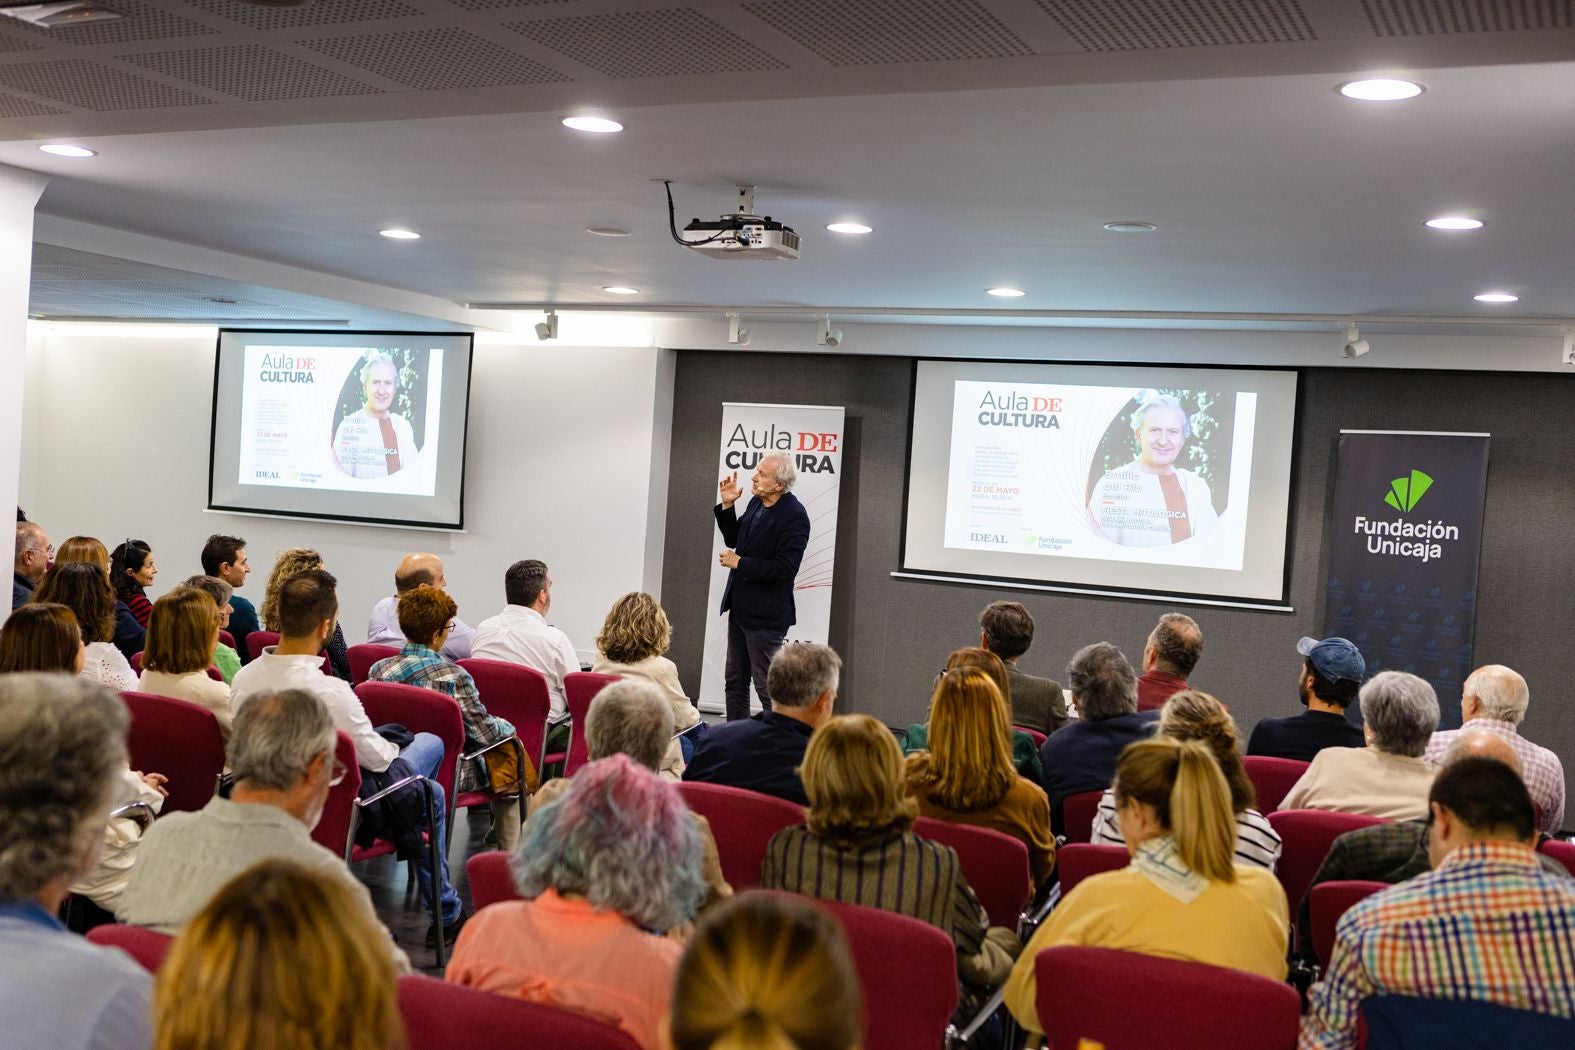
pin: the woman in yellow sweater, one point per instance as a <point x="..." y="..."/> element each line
<point x="1182" y="897"/>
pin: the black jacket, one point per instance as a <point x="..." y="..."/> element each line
<point x="770" y="544"/>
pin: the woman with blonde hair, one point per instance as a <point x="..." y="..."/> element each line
<point x="857" y="846"/>
<point x="631" y="644"/>
<point x="1191" y="715"/>
<point x="281" y="958"/>
<point x="83" y="549"/>
<point x="182" y="632"/>
<point x="1025" y="753"/>
<point x="292" y="561"/>
<point x="84" y="588"/>
<point x="765" y="972"/>
<point x="967" y="776"/>
<point x="1182" y="896"/>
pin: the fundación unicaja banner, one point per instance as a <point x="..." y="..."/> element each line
<point x="1406" y="545"/>
<point x="812" y="435"/>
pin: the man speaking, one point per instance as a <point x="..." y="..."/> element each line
<point x="765" y="545"/>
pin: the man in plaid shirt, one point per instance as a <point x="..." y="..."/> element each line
<point x="1487" y="924"/>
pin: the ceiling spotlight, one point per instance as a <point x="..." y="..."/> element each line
<point x="826" y="335"/>
<point x="548" y="329"/>
<point x="60" y="149"/>
<point x="1496" y="297"/>
<point x="1381" y="89"/>
<point x="1454" y="222"/>
<point x="1131" y="227"/>
<point x="620" y="289"/>
<point x="1355" y="345"/>
<point x="736" y="332"/>
<point x="595" y="125"/>
<point x="396" y="234"/>
<point x="1005" y="293"/>
<point x="850" y="227"/>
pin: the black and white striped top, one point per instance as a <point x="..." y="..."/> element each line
<point x="1256" y="840"/>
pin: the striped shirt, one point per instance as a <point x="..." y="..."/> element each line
<point x="1539" y="768"/>
<point x="1256" y="840"/>
<point x="419" y="665"/>
<point x="1488" y="925"/>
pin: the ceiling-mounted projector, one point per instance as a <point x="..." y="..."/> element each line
<point x="739" y="235"/>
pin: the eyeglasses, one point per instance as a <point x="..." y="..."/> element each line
<point x="48" y="551"/>
<point x="337" y="773"/>
<point x="451" y="625"/>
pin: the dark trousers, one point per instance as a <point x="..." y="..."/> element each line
<point x="749" y="653"/>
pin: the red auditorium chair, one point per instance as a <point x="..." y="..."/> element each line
<point x="579" y="689"/>
<point x="1272" y="779"/>
<point x="1039" y="738"/>
<point x="363" y="656"/>
<point x="443" y="1016"/>
<point x="490" y="879"/>
<point x="226" y="638"/>
<point x="1306" y="835"/>
<point x="1076" y="861"/>
<point x="179" y="739"/>
<point x="144" y="945"/>
<point x="1563" y="852"/>
<point x="333" y="828"/>
<point x="995" y="864"/>
<point x="1327" y="901"/>
<point x="1077" y="815"/>
<point x="742" y="822"/>
<point x="517" y="694"/>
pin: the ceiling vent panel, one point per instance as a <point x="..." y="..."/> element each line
<point x="1436" y="17"/>
<point x="16" y="43"/>
<point x="89" y="85"/>
<point x="1153" y="25"/>
<point x="321" y="13"/>
<point x="11" y="106"/>
<point x="250" y="72"/>
<point x="141" y="22"/>
<point x="882" y="32"/>
<point x="493" y="5"/>
<point x="666" y="43"/>
<point x="436" y="59"/>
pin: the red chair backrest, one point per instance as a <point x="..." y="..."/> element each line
<point x="215" y="674"/>
<point x="443" y="1016"/>
<point x="1077" y="815"/>
<point x="363" y="656"/>
<point x="1563" y="852"/>
<point x="1076" y="861"/>
<point x="995" y="864"/>
<point x="257" y="639"/>
<point x="517" y="694"/>
<point x="420" y="711"/>
<point x="1306" y="835"/>
<point x="1327" y="901"/>
<point x="1272" y="779"/>
<point x="180" y="740"/>
<point x="742" y="822"/>
<point x="1039" y="738"/>
<point x="333" y="830"/>
<point x="226" y="638"/>
<point x="491" y="880"/>
<point x="579" y="689"/>
<point x="1092" y="994"/>
<point x="146" y="946"/>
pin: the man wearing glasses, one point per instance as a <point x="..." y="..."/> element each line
<point x="33" y="553"/>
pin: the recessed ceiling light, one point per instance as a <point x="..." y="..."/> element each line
<point x="1496" y="297"/>
<point x="1006" y="293"/>
<point x="849" y="227"/>
<point x="1381" y="89"/>
<point x="397" y="234"/>
<point x="1454" y="222"/>
<point x="60" y="149"/>
<point x="595" y="125"/>
<point x="620" y="289"/>
<point x="1131" y="227"/>
<point x="607" y="231"/>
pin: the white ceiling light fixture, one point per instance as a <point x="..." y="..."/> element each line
<point x="1355" y="345"/>
<point x="594" y="125"/>
<point x="1454" y="222"/>
<point x="63" y="149"/>
<point x="1004" y="292"/>
<point x="1124" y="226"/>
<point x="548" y="328"/>
<point x="607" y="231"/>
<point x="1381" y="89"/>
<point x="1569" y="345"/>
<point x="620" y="289"/>
<point x="1497" y="297"/>
<point x="826" y="335"/>
<point x="850" y="227"/>
<point x="736" y="332"/>
<point x="396" y="233"/>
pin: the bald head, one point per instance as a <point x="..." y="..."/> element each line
<point x="1479" y="743"/>
<point x="1497" y="692"/>
<point x="419" y="570"/>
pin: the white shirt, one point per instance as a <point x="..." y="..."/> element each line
<point x="1129" y="506"/>
<point x="1256" y="840"/>
<point x="382" y="628"/>
<point x="359" y="445"/>
<point x="271" y="671"/>
<point x="106" y="665"/>
<point x="520" y="635"/>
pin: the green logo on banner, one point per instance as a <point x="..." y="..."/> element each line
<point x="1405" y="493"/>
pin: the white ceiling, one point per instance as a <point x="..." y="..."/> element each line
<point x="985" y="140"/>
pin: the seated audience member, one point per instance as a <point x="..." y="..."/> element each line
<point x="606" y="870"/>
<point x="967" y="776"/>
<point x="1332" y="672"/>
<point x="766" y="971"/>
<point x="1007" y="630"/>
<point x="292" y="562"/>
<point x="1494" y="700"/>
<point x="1387" y="778"/>
<point x="129" y="634"/>
<point x="182" y="632"/>
<point x="1182" y="896"/>
<point x="425" y="615"/>
<point x="857" y="846"/>
<point x="1169" y="655"/>
<point x="307" y="607"/>
<point x="131" y="572"/>
<point x="1487" y="924"/>
<point x="414" y="571"/>
<point x="520" y="634"/>
<point x="1191" y="715"/>
<point x="84" y="589"/>
<point x="41" y="636"/>
<point x="226" y="659"/>
<point x="633" y="638"/>
<point x="633" y="718"/>
<point x="224" y="558"/>
<point x="282" y="757"/>
<point x="62" y="751"/>
<point x="1082" y="755"/>
<point x="1025" y="753"/>
<point x="33" y="553"/>
<point x="763" y="753"/>
<point x="284" y="957"/>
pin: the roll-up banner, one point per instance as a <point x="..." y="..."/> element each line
<point x="812" y="435"/>
<point x="1405" y="550"/>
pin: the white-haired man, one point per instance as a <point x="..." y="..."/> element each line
<point x="1151" y="502"/>
<point x="375" y="441"/>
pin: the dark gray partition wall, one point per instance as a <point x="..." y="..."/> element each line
<point x="894" y="634"/>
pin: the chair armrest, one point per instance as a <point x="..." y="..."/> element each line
<point x="515" y="740"/>
<point x="426" y="786"/>
<point x="139" y="811"/>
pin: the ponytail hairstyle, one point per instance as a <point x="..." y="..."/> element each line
<point x="1192" y="715"/>
<point x="1183" y="784"/>
<point x="766" y="971"/>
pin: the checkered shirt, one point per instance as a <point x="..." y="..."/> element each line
<point x="420" y="665"/>
<point x="1539" y="767"/>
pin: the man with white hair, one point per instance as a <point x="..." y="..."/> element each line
<point x="33" y="552"/>
<point x="377" y="440"/>
<point x="1151" y="502"/>
<point x="765" y="545"/>
<point x="1494" y="700"/>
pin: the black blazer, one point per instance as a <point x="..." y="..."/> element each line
<point x="770" y="544"/>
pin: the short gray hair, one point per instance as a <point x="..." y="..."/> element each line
<point x="1161" y="401"/>
<point x="378" y="358"/>
<point x="62" y="753"/>
<point x="801" y="671"/>
<point x="1401" y="710"/>
<point x="276" y="735"/>
<point x="27" y="533"/>
<point x="1102" y="682"/>
<point x="216" y="588"/>
<point x="1501" y="691"/>
<point x="630" y="717"/>
<point x="786" y="472"/>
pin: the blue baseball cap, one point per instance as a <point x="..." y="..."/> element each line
<point x="1334" y="658"/>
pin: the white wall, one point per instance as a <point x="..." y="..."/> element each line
<point x="567" y="462"/>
